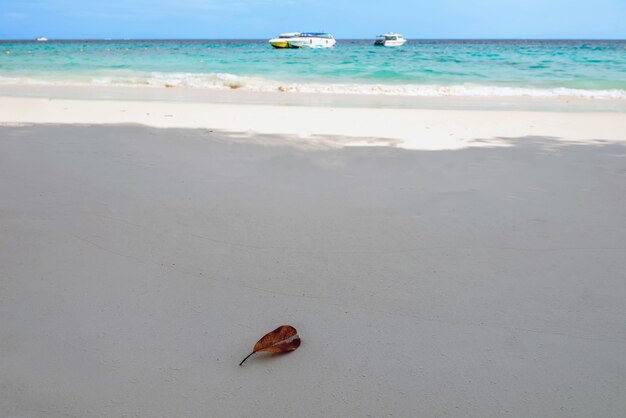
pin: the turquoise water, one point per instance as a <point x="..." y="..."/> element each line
<point x="430" y="68"/>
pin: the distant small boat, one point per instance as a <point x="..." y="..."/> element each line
<point x="390" y="39"/>
<point x="41" y="39"/>
<point x="303" y="40"/>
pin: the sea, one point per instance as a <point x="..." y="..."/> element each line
<point x="535" y="68"/>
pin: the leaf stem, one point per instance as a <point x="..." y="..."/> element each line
<point x="246" y="358"/>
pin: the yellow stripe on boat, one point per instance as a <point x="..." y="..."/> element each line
<point x="280" y="44"/>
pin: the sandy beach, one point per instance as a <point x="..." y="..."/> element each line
<point x="436" y="262"/>
<point x="420" y="128"/>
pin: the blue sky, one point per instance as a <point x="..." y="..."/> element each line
<point x="26" y="19"/>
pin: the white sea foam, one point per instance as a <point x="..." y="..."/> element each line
<point x="225" y="81"/>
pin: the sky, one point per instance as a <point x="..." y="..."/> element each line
<point x="261" y="19"/>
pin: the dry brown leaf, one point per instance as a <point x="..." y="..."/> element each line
<point x="282" y="340"/>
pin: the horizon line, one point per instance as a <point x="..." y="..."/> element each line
<point x="346" y="39"/>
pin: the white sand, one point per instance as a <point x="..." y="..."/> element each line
<point x="328" y="126"/>
<point x="139" y="265"/>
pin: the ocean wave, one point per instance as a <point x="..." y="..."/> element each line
<point x="225" y="81"/>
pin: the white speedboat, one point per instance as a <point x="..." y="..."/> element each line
<point x="41" y="39"/>
<point x="390" y="39"/>
<point x="303" y="40"/>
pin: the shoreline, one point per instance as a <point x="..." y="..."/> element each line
<point x="289" y="97"/>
